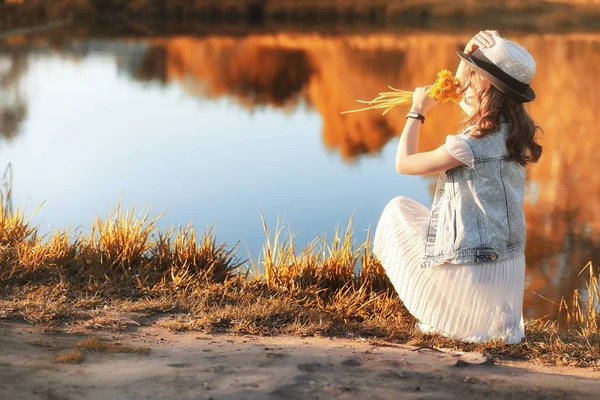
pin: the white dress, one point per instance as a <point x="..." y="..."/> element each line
<point x="470" y="302"/>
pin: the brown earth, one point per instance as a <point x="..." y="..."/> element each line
<point x="216" y="366"/>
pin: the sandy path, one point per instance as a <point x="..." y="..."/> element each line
<point x="201" y="366"/>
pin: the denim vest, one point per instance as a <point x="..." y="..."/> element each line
<point x="477" y="214"/>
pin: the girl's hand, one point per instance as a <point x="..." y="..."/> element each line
<point x="482" y="40"/>
<point x="421" y="100"/>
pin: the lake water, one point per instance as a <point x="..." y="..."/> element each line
<point x="215" y="130"/>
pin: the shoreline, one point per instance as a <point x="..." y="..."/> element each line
<point x="70" y="27"/>
<point x="184" y="281"/>
<point x="152" y="17"/>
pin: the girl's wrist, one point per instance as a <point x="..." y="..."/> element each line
<point x="418" y="110"/>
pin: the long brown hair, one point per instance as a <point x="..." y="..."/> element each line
<point x="490" y="105"/>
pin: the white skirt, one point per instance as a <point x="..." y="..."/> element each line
<point x="470" y="302"/>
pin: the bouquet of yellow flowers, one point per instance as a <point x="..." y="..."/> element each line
<point x="446" y="88"/>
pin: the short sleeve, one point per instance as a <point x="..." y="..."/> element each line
<point x="460" y="150"/>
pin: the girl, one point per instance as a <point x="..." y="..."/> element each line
<point x="460" y="267"/>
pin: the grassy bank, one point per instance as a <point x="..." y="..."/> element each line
<point x="184" y="281"/>
<point x="543" y="14"/>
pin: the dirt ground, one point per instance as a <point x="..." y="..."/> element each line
<point x="215" y="366"/>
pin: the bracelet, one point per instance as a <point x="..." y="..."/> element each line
<point x="416" y="116"/>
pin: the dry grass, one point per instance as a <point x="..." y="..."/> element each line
<point x="122" y="254"/>
<point x="321" y="267"/>
<point x="72" y="357"/>
<point x="447" y="88"/>
<point x="584" y="309"/>
<point x="332" y="288"/>
<point x="95" y="344"/>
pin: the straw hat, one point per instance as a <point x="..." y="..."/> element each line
<point x="507" y="66"/>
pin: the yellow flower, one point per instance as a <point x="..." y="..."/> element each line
<point x="446" y="88"/>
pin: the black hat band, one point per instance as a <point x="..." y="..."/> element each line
<point x="484" y="63"/>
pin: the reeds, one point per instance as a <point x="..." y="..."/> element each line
<point x="385" y="101"/>
<point x="331" y="287"/>
<point x="124" y="252"/>
<point x="320" y="265"/>
<point x="584" y="311"/>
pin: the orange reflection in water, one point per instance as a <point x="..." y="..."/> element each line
<point x="331" y="72"/>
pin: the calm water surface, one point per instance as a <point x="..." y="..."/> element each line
<point x="93" y="137"/>
<point x="215" y="130"/>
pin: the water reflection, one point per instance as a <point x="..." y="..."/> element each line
<point x="13" y="106"/>
<point x="329" y="72"/>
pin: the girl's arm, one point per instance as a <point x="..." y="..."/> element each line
<point x="408" y="160"/>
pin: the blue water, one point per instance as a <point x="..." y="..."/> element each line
<point x="93" y="137"/>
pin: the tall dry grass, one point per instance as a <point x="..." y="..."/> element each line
<point x="584" y="309"/>
<point x="124" y="253"/>
<point x="332" y="287"/>
<point x="322" y="266"/>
